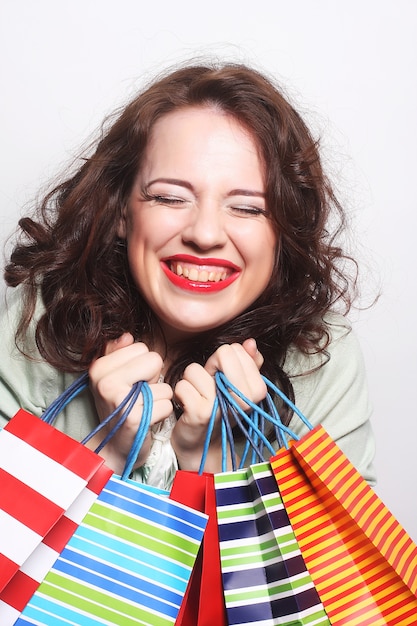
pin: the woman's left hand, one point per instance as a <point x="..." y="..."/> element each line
<point x="196" y="392"/>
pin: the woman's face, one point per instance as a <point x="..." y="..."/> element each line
<point x="200" y="245"/>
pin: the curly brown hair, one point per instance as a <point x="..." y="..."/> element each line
<point x="71" y="253"/>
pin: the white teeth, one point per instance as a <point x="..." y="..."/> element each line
<point x="193" y="274"/>
<point x="202" y="276"/>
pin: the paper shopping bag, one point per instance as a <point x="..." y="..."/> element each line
<point x="203" y="604"/>
<point x="19" y="590"/>
<point x="42" y="472"/>
<point x="264" y="575"/>
<point x="364" y="565"/>
<point x="127" y="563"/>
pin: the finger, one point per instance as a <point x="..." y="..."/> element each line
<point x="118" y="359"/>
<point x="201" y="380"/>
<point x="252" y="349"/>
<point x="234" y="361"/>
<point x="113" y="377"/>
<point x="188" y="396"/>
<point x="161" y="408"/>
<point x="227" y="357"/>
<point x="240" y="368"/>
<point x="196" y="407"/>
<point x="121" y="342"/>
<point x="161" y="391"/>
<point x="162" y="402"/>
<point x="118" y="356"/>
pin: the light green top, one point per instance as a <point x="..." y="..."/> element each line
<point x="335" y="395"/>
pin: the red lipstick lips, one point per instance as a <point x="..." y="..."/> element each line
<point x="187" y="264"/>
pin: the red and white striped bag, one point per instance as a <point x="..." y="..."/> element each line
<point x="48" y="483"/>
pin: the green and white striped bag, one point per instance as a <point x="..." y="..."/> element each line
<point x="265" y="578"/>
<point x="128" y="563"/>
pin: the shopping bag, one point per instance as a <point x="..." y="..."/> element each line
<point x="127" y="563"/>
<point x="42" y="472"/>
<point x="18" y="591"/>
<point x="363" y="563"/>
<point x="203" y="603"/>
<point x="264" y="575"/>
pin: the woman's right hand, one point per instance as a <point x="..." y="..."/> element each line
<point x="196" y="391"/>
<point x="111" y="378"/>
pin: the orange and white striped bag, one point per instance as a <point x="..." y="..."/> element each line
<point x="363" y="563"/>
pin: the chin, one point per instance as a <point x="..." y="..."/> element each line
<point x="182" y="331"/>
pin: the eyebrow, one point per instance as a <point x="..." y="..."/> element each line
<point x="171" y="181"/>
<point x="188" y="185"/>
<point x="246" y="192"/>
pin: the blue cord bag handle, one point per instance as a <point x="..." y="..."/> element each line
<point x="123" y="410"/>
<point x="252" y="423"/>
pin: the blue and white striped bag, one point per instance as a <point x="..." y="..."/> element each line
<point x="129" y="562"/>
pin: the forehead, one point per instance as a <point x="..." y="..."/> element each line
<point x="192" y="130"/>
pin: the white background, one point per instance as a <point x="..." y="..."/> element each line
<point x="351" y="69"/>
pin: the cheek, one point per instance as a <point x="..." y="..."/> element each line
<point x="137" y="239"/>
<point x="265" y="251"/>
<point x="139" y="232"/>
<point x="152" y="229"/>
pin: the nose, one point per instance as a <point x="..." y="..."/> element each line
<point x="205" y="229"/>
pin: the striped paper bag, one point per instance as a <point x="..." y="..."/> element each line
<point x="363" y="563"/>
<point x="264" y="575"/>
<point x="42" y="472"/>
<point x="17" y="593"/>
<point x="128" y="563"/>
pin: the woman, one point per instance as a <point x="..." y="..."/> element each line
<point x="194" y="238"/>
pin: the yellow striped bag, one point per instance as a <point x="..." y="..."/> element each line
<point x="363" y="563"/>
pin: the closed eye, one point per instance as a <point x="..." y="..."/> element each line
<point x="167" y="200"/>
<point x="248" y="210"/>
